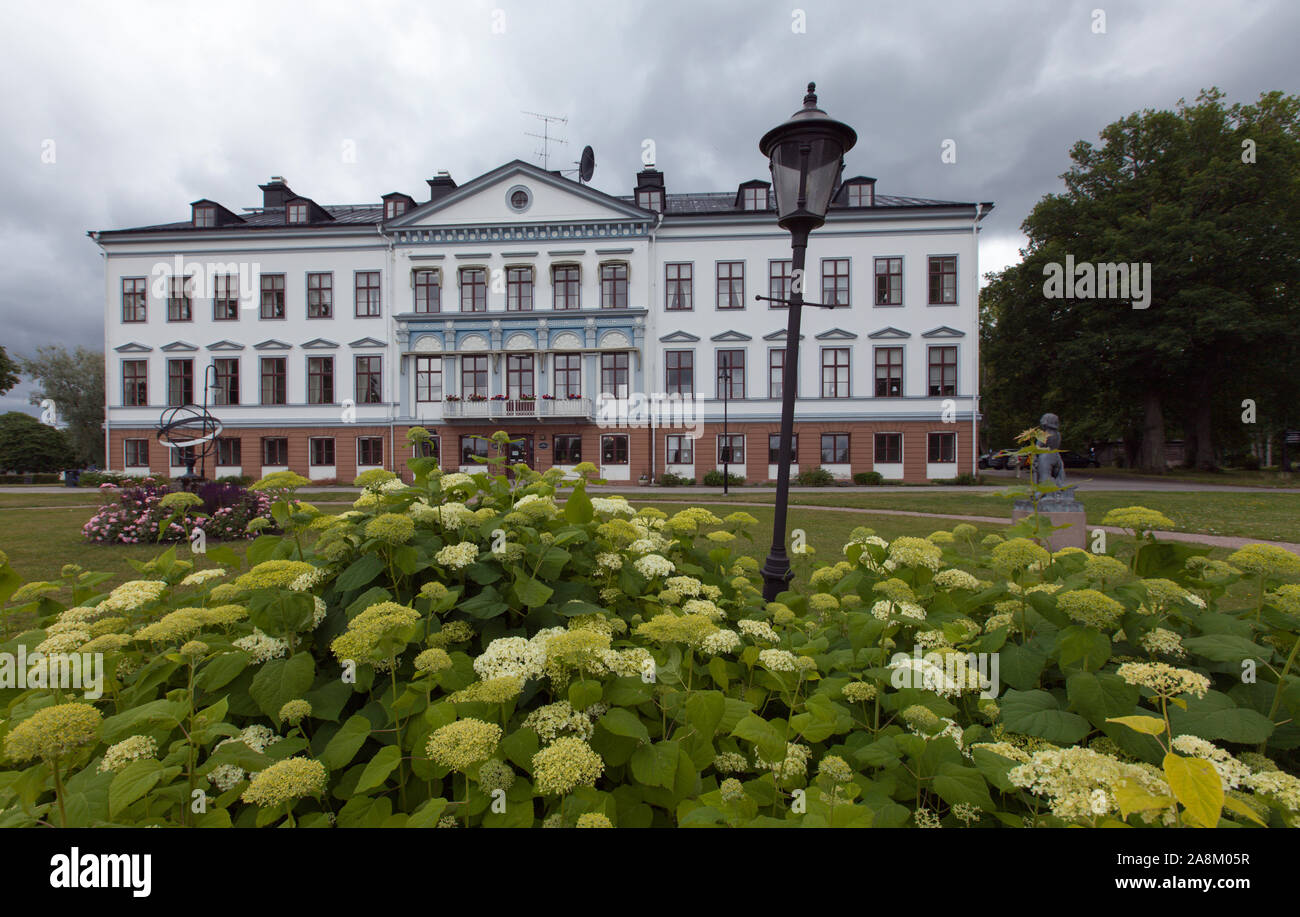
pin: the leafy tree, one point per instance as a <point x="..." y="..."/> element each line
<point x="27" y="445"/>
<point x="1176" y="190"/>
<point x="8" y="371"/>
<point x="75" y="383"/>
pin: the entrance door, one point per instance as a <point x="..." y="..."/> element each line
<point x="520" y="449"/>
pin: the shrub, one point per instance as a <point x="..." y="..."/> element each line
<point x="33" y="478"/>
<point x="815" y="477"/>
<point x="136" y="515"/>
<point x="868" y="477"/>
<point x="965" y="479"/>
<point x="714" y="479"/>
<point x="601" y="665"/>
<point x="28" y="446"/>
<point x="243" y="480"/>
<point x="668" y="479"/>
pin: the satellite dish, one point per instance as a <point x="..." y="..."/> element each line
<point x="587" y="164"/>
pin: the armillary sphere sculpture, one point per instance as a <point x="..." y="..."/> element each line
<point x="193" y="428"/>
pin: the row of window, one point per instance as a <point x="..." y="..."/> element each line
<point x="520" y="289"/>
<point x="274" y="452"/>
<point x="836" y="372"/>
<point x="273" y="378"/>
<point x="679" y="449"/>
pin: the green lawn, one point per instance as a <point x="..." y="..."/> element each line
<point x="1266" y="516"/>
<point x="1237" y="477"/>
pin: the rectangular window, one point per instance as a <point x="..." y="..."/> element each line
<point x="859" y="195"/>
<point x="942" y="447"/>
<point x="731" y="448"/>
<point x="679" y="450"/>
<point x="679" y="371"/>
<point x="474" y="377"/>
<point x="835" y="281"/>
<point x="272" y="296"/>
<point x="889" y="372"/>
<point x="428" y="378"/>
<point x="137" y="453"/>
<point x="275" y="450"/>
<point x="614" y="374"/>
<point x="133" y="299"/>
<point x="183" y="457"/>
<point x="471" y="446"/>
<point x="567" y="450"/>
<point x="430" y="448"/>
<point x="135" y="383"/>
<point x="367" y="294"/>
<point x="473" y="289"/>
<point x="227" y="373"/>
<point x="835" y="372"/>
<point x="369" y="375"/>
<point x="321" y="451"/>
<point x="297" y="213"/>
<point x="225" y="298"/>
<point x="320" y="295"/>
<point x="774" y="449"/>
<point x="180" y="382"/>
<point x="678" y="292"/>
<point x="519" y="289"/>
<point x="566" y="287"/>
<point x="180" y="301"/>
<point x="943" y="371"/>
<point x="274" y="380"/>
<point x="889" y="448"/>
<point x="754" y="199"/>
<point x="320" y="380"/>
<point x="370" y="450"/>
<point x="519" y="375"/>
<point x="229" y="451"/>
<point x="205" y="217"/>
<point x="428" y="291"/>
<point x="568" y="375"/>
<point x="780" y="278"/>
<point x="731" y="374"/>
<point x="776" y="372"/>
<point x="650" y="200"/>
<point x="835" y="448"/>
<point x="731" y="285"/>
<point x="889" y="281"/>
<point x="613" y="286"/>
<point x="613" y="449"/>
<point x="943" y="280"/>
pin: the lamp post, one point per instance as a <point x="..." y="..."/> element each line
<point x="724" y="376"/>
<point x="806" y="155"/>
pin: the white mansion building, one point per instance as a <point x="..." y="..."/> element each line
<point x="522" y="299"/>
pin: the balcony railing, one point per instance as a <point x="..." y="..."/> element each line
<point x="510" y="408"/>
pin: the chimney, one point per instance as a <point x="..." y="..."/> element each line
<point x="649" y="179"/>
<point x="275" y="192"/>
<point x="440" y="185"/>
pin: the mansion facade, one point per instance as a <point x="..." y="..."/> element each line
<point x="528" y="302"/>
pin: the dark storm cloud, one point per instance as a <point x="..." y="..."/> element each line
<point x="151" y="106"/>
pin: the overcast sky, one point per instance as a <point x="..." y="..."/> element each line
<point x="144" y="107"/>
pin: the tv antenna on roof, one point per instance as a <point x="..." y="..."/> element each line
<point x="545" y="135"/>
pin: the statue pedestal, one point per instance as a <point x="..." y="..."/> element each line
<point x="1060" y="508"/>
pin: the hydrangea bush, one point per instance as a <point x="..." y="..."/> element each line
<point x="492" y="650"/>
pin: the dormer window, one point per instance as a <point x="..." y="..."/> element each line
<point x="297" y="212"/>
<point x="754" y="198"/>
<point x="205" y="217"/>
<point x="858" y="195"/>
<point x="652" y="199"/>
<point x="394" y="209"/>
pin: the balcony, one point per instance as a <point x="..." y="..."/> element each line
<point x="519" y="409"/>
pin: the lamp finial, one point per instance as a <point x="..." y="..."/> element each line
<point x="810" y="100"/>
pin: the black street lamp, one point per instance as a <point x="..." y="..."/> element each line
<point x="724" y="377"/>
<point x="806" y="155"/>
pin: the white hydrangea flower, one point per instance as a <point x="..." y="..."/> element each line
<point x="653" y="565"/>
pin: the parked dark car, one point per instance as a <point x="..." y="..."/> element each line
<point x="1079" y="460"/>
<point x="996" y="459"/>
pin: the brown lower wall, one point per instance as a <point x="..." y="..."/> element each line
<point x="755" y="467"/>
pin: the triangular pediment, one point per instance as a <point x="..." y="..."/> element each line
<point x="731" y="336"/>
<point x="778" y="336"/>
<point x="943" y="331"/>
<point x="550" y="199"/>
<point x="837" y="334"/>
<point x="273" y="344"/>
<point x="889" y="334"/>
<point x="225" y="345"/>
<point x="179" y="347"/>
<point x="320" y="344"/>
<point x="364" y="343"/>
<point x="132" y="348"/>
<point x="678" y="337"/>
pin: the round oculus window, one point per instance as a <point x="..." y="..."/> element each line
<point x="519" y="198"/>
